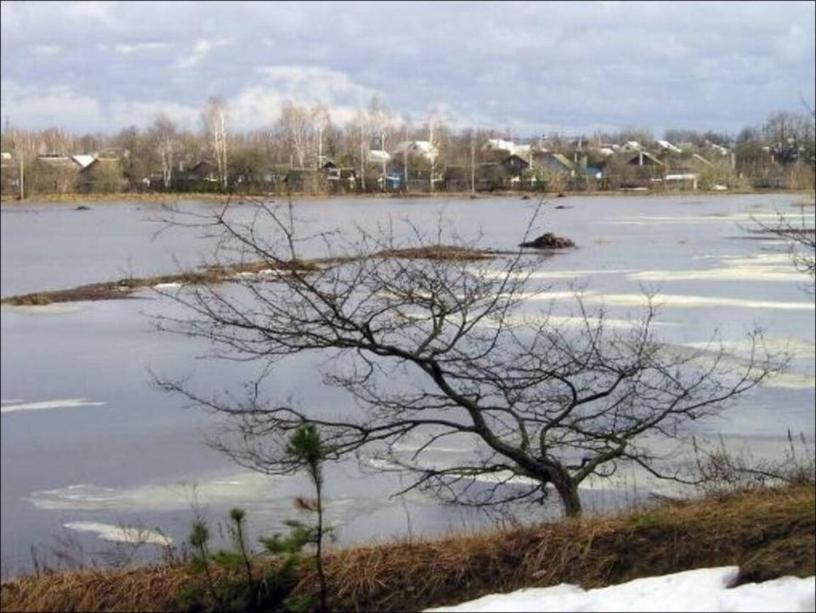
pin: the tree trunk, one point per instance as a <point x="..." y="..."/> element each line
<point x="567" y="490"/>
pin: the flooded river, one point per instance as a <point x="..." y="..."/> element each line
<point x="88" y="445"/>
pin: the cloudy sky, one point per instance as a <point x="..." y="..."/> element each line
<point x="530" y="67"/>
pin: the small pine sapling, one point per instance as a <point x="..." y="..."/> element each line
<point x="305" y="445"/>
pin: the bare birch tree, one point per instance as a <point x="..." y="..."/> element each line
<point x="434" y="140"/>
<point x="379" y="124"/>
<point x="358" y="134"/>
<point x="297" y="128"/>
<point x="163" y="133"/>
<point x="432" y="348"/>
<point x="215" y="127"/>
<point x="321" y="119"/>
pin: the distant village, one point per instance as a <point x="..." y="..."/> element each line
<point x="305" y="153"/>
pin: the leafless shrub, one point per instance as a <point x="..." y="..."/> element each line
<point x="724" y="470"/>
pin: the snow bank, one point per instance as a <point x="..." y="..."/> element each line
<point x="705" y="589"/>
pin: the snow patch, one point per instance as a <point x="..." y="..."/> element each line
<point x="706" y="589"/>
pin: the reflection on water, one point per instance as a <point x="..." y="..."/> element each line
<point x="89" y="444"/>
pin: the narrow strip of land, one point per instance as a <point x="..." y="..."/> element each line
<point x="126" y="287"/>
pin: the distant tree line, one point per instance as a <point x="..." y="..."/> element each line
<point x="379" y="150"/>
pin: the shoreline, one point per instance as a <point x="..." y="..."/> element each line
<point x="161" y="197"/>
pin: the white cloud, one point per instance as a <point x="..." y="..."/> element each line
<point x="260" y="105"/>
<point x="127" y="112"/>
<point x="102" y="12"/>
<point x="527" y="65"/>
<point x="63" y="105"/>
<point x="200" y="50"/>
<point x="46" y="49"/>
<point x="128" y="49"/>
<point x="316" y="83"/>
<point x="59" y="105"/>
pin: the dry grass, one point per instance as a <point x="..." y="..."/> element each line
<point x="451" y="253"/>
<point x="767" y="532"/>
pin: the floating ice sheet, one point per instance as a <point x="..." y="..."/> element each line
<point x="49" y="404"/>
<point x="120" y="534"/>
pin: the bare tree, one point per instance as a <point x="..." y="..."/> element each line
<point x="214" y="117"/>
<point x="433" y="139"/>
<point x="164" y="136"/>
<point x="295" y="125"/>
<point x="357" y="143"/>
<point x="433" y="348"/>
<point x="321" y="119"/>
<point x="379" y="124"/>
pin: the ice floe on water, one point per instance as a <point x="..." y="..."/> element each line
<point x="767" y="267"/>
<point x="48" y="404"/>
<point x="548" y="295"/>
<point x="702" y="589"/>
<point x="737" y="354"/>
<point x="791" y="380"/>
<point x="554" y="274"/>
<point x="153" y="496"/>
<point x="562" y="321"/>
<point x="736" y="273"/>
<point x="62" y="308"/>
<point x="691" y="302"/>
<point x="668" y="300"/>
<point x="120" y="534"/>
<point x="733" y="218"/>
<point x="792" y="346"/>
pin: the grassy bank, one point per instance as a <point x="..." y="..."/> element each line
<point x="767" y="532"/>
